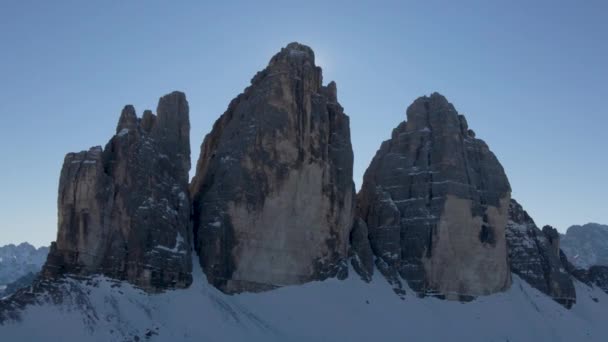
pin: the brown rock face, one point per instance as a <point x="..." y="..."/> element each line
<point x="125" y="211"/>
<point x="435" y="200"/>
<point x="273" y="193"/>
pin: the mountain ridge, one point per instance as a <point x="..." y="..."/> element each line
<point x="272" y="209"/>
<point x="586" y="245"/>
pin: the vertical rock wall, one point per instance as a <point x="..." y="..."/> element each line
<point x="124" y="211"/>
<point x="273" y="193"/>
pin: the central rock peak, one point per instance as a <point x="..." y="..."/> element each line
<point x="273" y="194"/>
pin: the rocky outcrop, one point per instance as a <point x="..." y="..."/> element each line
<point x="361" y="251"/>
<point x="435" y="200"/>
<point x="598" y="276"/>
<point x="535" y="256"/>
<point x="124" y="211"/>
<point x="586" y="245"/>
<point x="273" y="193"/>
<point x="22" y="282"/>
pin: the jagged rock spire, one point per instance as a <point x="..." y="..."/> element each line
<point x="124" y="211"/>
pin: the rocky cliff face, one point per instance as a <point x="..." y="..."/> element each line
<point x="586" y="245"/>
<point x="273" y="193"/>
<point x="535" y="256"/>
<point x="124" y="211"/>
<point x="435" y="200"/>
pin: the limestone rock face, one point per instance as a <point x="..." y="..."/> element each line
<point x="273" y="193"/>
<point x="124" y="211"/>
<point x="435" y="200"/>
<point x="535" y="256"/>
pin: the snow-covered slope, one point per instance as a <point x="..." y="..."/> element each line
<point x="586" y="245"/>
<point x="352" y="310"/>
<point x="17" y="261"/>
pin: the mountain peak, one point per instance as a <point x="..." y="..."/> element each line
<point x="586" y="245"/>
<point x="294" y="52"/>
<point x="435" y="201"/>
<point x="274" y="181"/>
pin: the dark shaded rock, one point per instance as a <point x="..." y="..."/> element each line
<point x="534" y="255"/>
<point x="593" y="276"/>
<point x="362" y="254"/>
<point x="124" y="211"/>
<point x="598" y="276"/>
<point x="273" y="194"/>
<point x="552" y="236"/>
<point x="148" y="120"/>
<point x="435" y="200"/>
<point x="128" y="120"/>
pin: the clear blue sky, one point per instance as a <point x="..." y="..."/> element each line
<point x="530" y="76"/>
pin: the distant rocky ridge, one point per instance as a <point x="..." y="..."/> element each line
<point x="124" y="211"/>
<point x="273" y="194"/>
<point x="434" y="202"/>
<point x="17" y="261"/>
<point x="586" y="245"/>
<point x="22" y="282"/>
<point x="19" y="266"/>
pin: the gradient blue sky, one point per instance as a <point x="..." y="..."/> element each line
<point x="530" y="77"/>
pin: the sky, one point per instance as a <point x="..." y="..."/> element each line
<point x="531" y="78"/>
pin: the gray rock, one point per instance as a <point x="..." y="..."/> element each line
<point x="273" y="194"/>
<point x="586" y="245"/>
<point x="534" y="255"/>
<point x="435" y="200"/>
<point x="124" y="211"/>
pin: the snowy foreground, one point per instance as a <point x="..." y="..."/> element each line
<point x="332" y="310"/>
